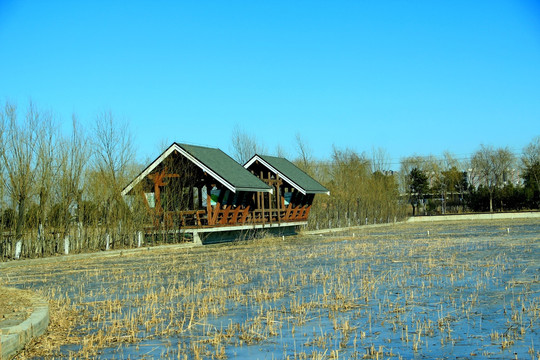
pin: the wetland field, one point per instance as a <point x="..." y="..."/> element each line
<point x="468" y="290"/>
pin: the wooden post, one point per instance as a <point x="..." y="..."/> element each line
<point x="157" y="196"/>
<point x="209" y="204"/>
<point x="288" y="212"/>
<point x="245" y="214"/>
<point x="225" y="213"/>
<point x="217" y="209"/>
<point x="191" y="196"/>
<point x="278" y="199"/>
<point x="199" y="190"/>
<point x="294" y="197"/>
<point x="262" y="207"/>
<point x="157" y="178"/>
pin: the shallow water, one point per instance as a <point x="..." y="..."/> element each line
<point x="466" y="290"/>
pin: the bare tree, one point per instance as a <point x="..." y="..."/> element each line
<point x="113" y="154"/>
<point x="492" y="166"/>
<point x="113" y="150"/>
<point x="531" y="160"/>
<point x="350" y="172"/>
<point x="74" y="159"/>
<point x="417" y="175"/>
<point x="244" y="146"/>
<point x="46" y="172"/>
<point x="280" y="151"/>
<point x="4" y="245"/>
<point x="447" y="178"/>
<point x="164" y="144"/>
<point x="380" y="160"/>
<point x="358" y="195"/>
<point x="407" y="164"/>
<point x="20" y="159"/>
<point x="305" y="157"/>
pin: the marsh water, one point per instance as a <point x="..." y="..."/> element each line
<point x="447" y="290"/>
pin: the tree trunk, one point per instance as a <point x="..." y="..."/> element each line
<point x="20" y="218"/>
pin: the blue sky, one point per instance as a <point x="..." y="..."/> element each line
<point x="411" y="77"/>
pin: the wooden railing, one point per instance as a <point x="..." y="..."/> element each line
<point x="229" y="216"/>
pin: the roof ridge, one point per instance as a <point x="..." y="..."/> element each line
<point x="292" y="172"/>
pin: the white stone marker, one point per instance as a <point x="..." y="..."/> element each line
<point x="139" y="238"/>
<point x="66" y="245"/>
<point x="18" y="249"/>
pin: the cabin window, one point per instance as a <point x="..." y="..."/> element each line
<point x="214" y="195"/>
<point x="204" y="193"/>
<point x="287" y="198"/>
<point x="151" y="199"/>
<point x="196" y="201"/>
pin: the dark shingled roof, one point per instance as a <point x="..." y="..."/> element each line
<point x="288" y="170"/>
<point x="213" y="161"/>
<point x="228" y="169"/>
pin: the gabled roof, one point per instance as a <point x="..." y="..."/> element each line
<point x="215" y="163"/>
<point x="290" y="173"/>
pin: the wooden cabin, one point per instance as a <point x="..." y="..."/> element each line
<point x="293" y="190"/>
<point x="202" y="190"/>
<point x="193" y="186"/>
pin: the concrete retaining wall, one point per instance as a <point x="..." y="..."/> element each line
<point x="15" y="338"/>
<point x="492" y="216"/>
<point x="232" y="233"/>
<point x="349" y="228"/>
<point x="461" y="217"/>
